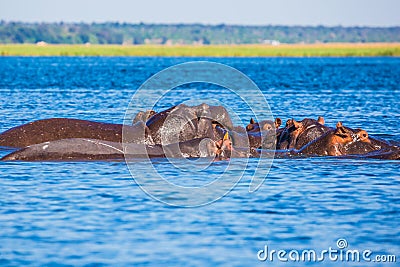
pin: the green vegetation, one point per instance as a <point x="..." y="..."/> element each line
<point x="323" y="50"/>
<point x="117" y="33"/>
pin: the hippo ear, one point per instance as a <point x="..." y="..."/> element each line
<point x="296" y="124"/>
<point x="226" y="136"/>
<point x="251" y="125"/>
<point x="278" y="122"/>
<point x="321" y="120"/>
<point x="363" y="135"/>
<point x="341" y="131"/>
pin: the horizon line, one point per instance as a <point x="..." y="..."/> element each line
<point x="199" y="24"/>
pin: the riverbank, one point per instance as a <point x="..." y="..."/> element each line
<point x="283" y="50"/>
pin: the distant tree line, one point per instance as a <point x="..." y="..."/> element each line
<point x="124" y="33"/>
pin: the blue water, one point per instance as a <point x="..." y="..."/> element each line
<point x="84" y="213"/>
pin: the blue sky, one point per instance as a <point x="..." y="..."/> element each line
<point x="249" y="12"/>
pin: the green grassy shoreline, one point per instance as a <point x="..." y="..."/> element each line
<point x="285" y="50"/>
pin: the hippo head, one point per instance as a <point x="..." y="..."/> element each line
<point x="208" y="148"/>
<point x="344" y="139"/>
<point x="224" y="147"/>
<point x="298" y="134"/>
<point x="263" y="133"/>
<point x="143" y="116"/>
<point x="265" y="125"/>
<point x="361" y="143"/>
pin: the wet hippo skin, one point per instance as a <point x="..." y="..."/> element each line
<point x="335" y="142"/>
<point x="143" y="116"/>
<point x="188" y="131"/>
<point x="61" y="128"/>
<point x="263" y="125"/>
<point x="298" y="134"/>
<point x="81" y="149"/>
<point x="182" y="123"/>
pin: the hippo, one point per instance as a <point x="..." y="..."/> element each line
<point x="189" y="131"/>
<point x="263" y="125"/>
<point x="374" y="148"/>
<point x="298" y="134"/>
<point x="94" y="149"/>
<point x="334" y="142"/>
<point x="40" y="131"/>
<point x="182" y="123"/>
<point x="252" y="139"/>
<point x="392" y="154"/>
<point x="201" y="147"/>
<point x="143" y="116"/>
<point x="72" y="149"/>
<point x="227" y="149"/>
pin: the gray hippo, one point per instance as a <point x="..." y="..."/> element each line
<point x="94" y="149"/>
<point x="78" y="149"/>
<point x="182" y="123"/>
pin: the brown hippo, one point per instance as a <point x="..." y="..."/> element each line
<point x="375" y="148"/>
<point x="334" y="142"/>
<point x="227" y="149"/>
<point x="61" y="128"/>
<point x="203" y="147"/>
<point x="298" y="134"/>
<point x="263" y="125"/>
<point x="264" y="132"/>
<point x="392" y="153"/>
<point x="252" y="139"/>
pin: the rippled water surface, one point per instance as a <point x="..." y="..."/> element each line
<point x="79" y="213"/>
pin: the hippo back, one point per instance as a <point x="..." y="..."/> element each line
<point x="59" y="128"/>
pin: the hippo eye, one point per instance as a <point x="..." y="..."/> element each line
<point x="364" y="135"/>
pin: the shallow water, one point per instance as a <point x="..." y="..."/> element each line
<point x="77" y="213"/>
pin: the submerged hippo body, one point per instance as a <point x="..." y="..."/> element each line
<point x="94" y="149"/>
<point x="83" y="149"/>
<point x="69" y="149"/>
<point x="61" y="128"/>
